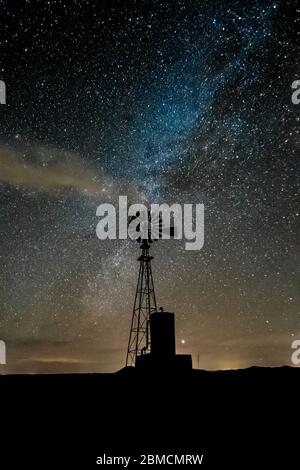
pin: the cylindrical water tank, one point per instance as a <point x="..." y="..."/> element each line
<point x="162" y="331"/>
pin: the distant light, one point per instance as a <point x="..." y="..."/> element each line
<point x="182" y="341"/>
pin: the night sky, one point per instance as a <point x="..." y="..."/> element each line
<point x="162" y="101"/>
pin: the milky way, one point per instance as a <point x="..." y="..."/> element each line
<point x="181" y="101"/>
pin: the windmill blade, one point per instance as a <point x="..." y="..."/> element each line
<point x="156" y="229"/>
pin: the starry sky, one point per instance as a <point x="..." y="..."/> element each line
<point x="163" y="101"/>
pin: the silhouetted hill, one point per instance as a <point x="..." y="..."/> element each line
<point x="232" y="417"/>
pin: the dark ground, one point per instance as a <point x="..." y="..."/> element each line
<point x="241" y="419"/>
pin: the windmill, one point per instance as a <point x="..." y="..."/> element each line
<point x="145" y="299"/>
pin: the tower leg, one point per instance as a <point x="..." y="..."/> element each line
<point x="144" y="305"/>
